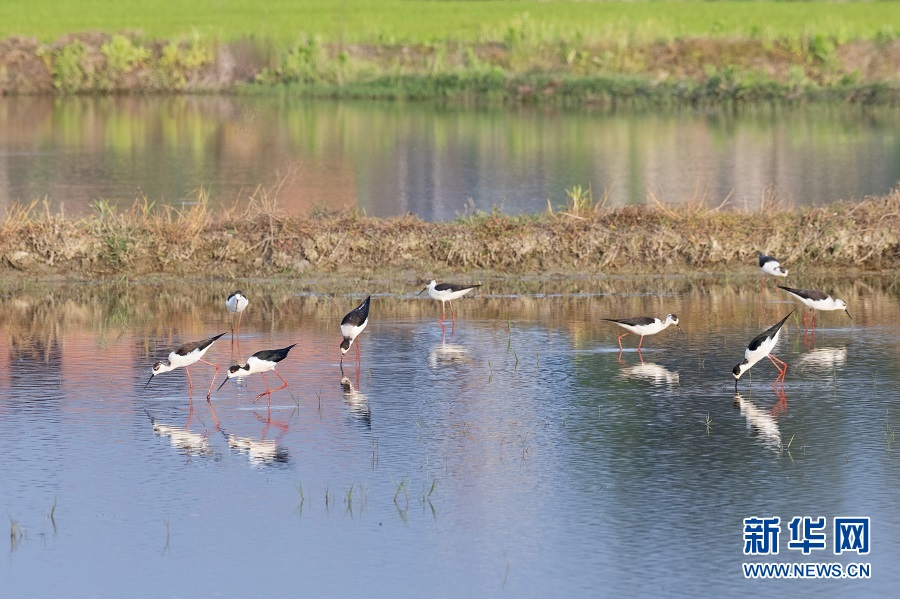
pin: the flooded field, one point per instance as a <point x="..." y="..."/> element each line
<point x="438" y="162"/>
<point x="514" y="452"/>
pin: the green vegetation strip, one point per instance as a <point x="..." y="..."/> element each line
<point x="496" y="51"/>
<point x="584" y="237"/>
<point x="406" y="21"/>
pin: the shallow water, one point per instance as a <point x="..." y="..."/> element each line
<point x="437" y="162"/>
<point x="516" y="453"/>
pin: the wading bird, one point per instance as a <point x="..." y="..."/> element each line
<point x="816" y="300"/>
<point x="236" y="303"/>
<point x="261" y="361"/>
<point x="184" y="356"/>
<point x="353" y="324"/>
<point x="770" y="266"/>
<point x="644" y="325"/>
<point x="447" y="292"/>
<point x="761" y="347"/>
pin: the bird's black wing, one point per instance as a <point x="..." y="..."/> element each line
<point x="273" y="355"/>
<point x="357" y="315"/>
<point x="453" y="287"/>
<point x="768" y="333"/>
<point x="810" y="294"/>
<point x="189" y="347"/>
<point x="634" y="322"/>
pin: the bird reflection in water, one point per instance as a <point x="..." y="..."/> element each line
<point x="826" y="358"/>
<point x="650" y="372"/>
<point x="446" y="352"/>
<point x="262" y="451"/>
<point x="357" y="402"/>
<point x="182" y="438"/>
<point x="762" y="422"/>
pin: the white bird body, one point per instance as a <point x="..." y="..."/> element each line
<point x="184" y="356"/>
<point x="353" y="324"/>
<point x="817" y="300"/>
<point x="761" y="347"/>
<point x="771" y="266"/>
<point x="644" y="325"/>
<point x="237" y="302"/>
<point x="260" y="362"/>
<point x="447" y="292"/>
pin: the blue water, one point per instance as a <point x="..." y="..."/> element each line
<point x="517" y="453"/>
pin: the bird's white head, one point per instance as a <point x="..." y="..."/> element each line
<point x="671" y="319"/>
<point x="429" y="287"/>
<point x="345" y="345"/>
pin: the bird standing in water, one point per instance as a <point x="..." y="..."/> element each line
<point x="447" y="292"/>
<point x="236" y="303"/>
<point x="184" y="356"/>
<point x="352" y="325"/>
<point x="761" y="347"/>
<point x="261" y="362"/>
<point x="644" y="325"/>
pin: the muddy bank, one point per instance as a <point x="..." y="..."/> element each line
<point x="607" y="73"/>
<point x="260" y="241"/>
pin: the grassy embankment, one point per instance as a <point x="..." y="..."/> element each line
<point x="583" y="237"/>
<point x="499" y="51"/>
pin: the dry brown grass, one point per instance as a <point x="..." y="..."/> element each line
<point x="585" y="237"/>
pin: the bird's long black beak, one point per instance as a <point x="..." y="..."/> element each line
<point x="680" y="330"/>
<point x="148" y="381"/>
<point x="223" y="383"/>
<point x="423" y="291"/>
<point x="735" y="385"/>
<point x="848" y="314"/>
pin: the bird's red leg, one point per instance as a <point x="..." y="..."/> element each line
<point x="209" y="391"/>
<point x="619" y="338"/>
<point x="213" y="412"/>
<point x="452" y="315"/>
<point x="443" y="312"/>
<point x="270" y="391"/>
<point x="190" y="382"/>
<point x="640" y="342"/>
<point x="781" y="371"/>
<point x="267" y="392"/>
<point x="357" y="352"/>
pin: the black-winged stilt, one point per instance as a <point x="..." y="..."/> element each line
<point x="184" y="356"/>
<point x="352" y="325"/>
<point x="816" y="300"/>
<point x="761" y="347"/>
<point x="261" y="362"/>
<point x="447" y="292"/>
<point x="644" y="325"/>
<point x="236" y="303"/>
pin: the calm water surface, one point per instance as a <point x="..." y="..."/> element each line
<point x="436" y="162"/>
<point x="516" y="453"/>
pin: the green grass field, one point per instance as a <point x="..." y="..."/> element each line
<point x="410" y="21"/>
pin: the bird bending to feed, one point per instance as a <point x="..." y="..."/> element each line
<point x="816" y="300"/>
<point x="447" y="292"/>
<point x="353" y="324"/>
<point x="184" y="356"/>
<point x="236" y="303"/>
<point x="261" y="361"/>
<point x="761" y="347"/>
<point x="770" y="266"/>
<point x="644" y="325"/>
